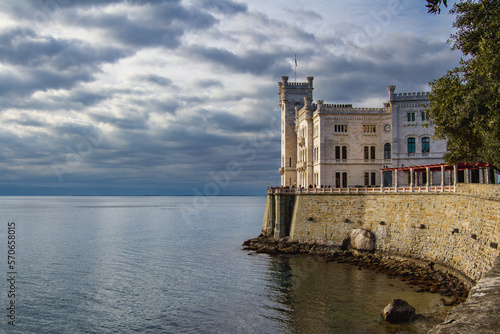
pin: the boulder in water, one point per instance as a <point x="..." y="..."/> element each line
<point x="362" y="239"/>
<point x="398" y="311"/>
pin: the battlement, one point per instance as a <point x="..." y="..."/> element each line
<point x="284" y="83"/>
<point x="411" y="96"/>
<point x="321" y="104"/>
<point x="393" y="97"/>
<point x="322" y="107"/>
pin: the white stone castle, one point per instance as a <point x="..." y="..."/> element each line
<point x="336" y="145"/>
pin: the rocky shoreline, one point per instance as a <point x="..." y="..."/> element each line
<point x="422" y="277"/>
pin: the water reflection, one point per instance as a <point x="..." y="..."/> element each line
<point x="312" y="296"/>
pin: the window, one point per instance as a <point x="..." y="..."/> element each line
<point x="426" y="146"/>
<point x="369" y="152"/>
<point x="344" y="179"/>
<point x="370" y="178"/>
<point x="339" y="150"/>
<point x="387" y="151"/>
<point x="340" y="128"/>
<point x="411" y="145"/>
<point x="425" y="116"/>
<point x="369" y="128"/>
<point x="410" y="117"/>
<point x="340" y="180"/>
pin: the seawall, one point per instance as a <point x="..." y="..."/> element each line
<point x="458" y="230"/>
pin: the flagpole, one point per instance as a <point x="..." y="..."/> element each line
<point x="295" y="67"/>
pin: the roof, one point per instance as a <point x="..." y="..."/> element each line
<point x="437" y="167"/>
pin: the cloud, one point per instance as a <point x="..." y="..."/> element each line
<point x="32" y="62"/>
<point x="137" y="24"/>
<point x="128" y="97"/>
<point x="255" y="62"/>
<point x="224" y="6"/>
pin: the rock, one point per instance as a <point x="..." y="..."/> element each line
<point x="398" y="311"/>
<point x="345" y="244"/>
<point x="362" y="239"/>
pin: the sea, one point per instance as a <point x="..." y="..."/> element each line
<point x="176" y="265"/>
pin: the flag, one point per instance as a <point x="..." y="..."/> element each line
<point x="295" y="60"/>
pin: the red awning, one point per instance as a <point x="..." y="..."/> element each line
<point x="437" y="167"/>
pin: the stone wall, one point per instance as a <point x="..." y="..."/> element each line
<point x="458" y="230"/>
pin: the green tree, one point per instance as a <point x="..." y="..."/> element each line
<point x="434" y="6"/>
<point x="465" y="103"/>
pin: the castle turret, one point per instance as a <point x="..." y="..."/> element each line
<point x="390" y="90"/>
<point x="291" y="95"/>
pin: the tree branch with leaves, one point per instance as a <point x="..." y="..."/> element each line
<point x="434" y="6"/>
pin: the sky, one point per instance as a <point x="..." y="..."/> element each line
<point x="180" y="97"/>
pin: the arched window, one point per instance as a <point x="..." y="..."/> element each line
<point x="411" y="145"/>
<point x="426" y="145"/>
<point x="387" y="151"/>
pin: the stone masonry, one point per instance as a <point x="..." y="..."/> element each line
<point x="459" y="230"/>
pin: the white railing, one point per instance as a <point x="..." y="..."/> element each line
<point x="363" y="190"/>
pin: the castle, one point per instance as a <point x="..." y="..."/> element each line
<point x="432" y="218"/>
<point x="336" y="145"/>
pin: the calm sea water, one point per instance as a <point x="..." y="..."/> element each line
<point x="176" y="265"/>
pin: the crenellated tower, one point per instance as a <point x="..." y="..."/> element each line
<point x="291" y="98"/>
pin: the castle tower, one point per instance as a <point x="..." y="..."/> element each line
<point x="291" y="97"/>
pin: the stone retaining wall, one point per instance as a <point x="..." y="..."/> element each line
<point x="459" y="230"/>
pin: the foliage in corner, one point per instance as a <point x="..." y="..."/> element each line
<point x="434" y="6"/>
<point x="465" y="103"/>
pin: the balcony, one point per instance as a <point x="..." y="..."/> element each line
<point x="301" y="165"/>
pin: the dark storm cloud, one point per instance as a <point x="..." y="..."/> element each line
<point x="209" y="83"/>
<point x="158" y="79"/>
<point x="26" y="121"/>
<point x="162" y="24"/>
<point x="235" y="123"/>
<point x="87" y="99"/>
<point x="41" y="80"/>
<point x="26" y="48"/>
<point x="48" y="63"/>
<point x="224" y="6"/>
<point x="255" y="62"/>
<point x="134" y="120"/>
